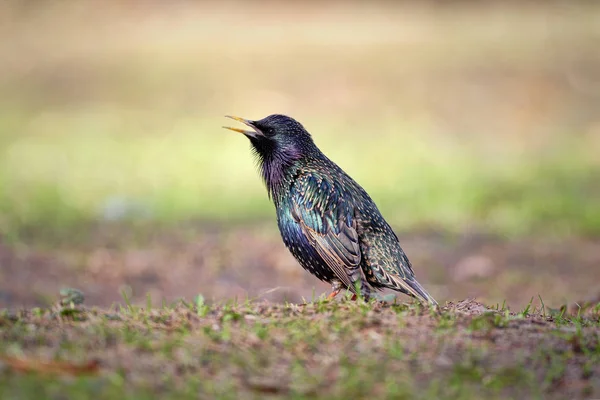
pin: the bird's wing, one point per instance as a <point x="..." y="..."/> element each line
<point x="328" y="222"/>
<point x="388" y="263"/>
<point x="401" y="277"/>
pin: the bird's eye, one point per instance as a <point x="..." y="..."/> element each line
<point x="269" y="132"/>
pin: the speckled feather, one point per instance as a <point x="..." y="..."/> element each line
<point x="327" y="220"/>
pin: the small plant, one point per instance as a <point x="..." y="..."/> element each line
<point x="526" y="311"/>
<point x="202" y="308"/>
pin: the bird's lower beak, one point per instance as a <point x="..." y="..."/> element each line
<point x="253" y="133"/>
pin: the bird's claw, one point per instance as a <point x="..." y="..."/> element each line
<point x="336" y="288"/>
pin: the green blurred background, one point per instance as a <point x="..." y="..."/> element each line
<point x="459" y="118"/>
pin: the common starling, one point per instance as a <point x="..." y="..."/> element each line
<point x="327" y="220"/>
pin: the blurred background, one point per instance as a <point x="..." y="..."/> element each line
<point x="475" y="126"/>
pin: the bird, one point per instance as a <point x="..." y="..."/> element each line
<point x="326" y="219"/>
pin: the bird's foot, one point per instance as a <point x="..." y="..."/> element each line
<point x="332" y="295"/>
<point x="336" y="288"/>
<point x="363" y="296"/>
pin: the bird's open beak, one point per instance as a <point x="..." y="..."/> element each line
<point x="253" y="133"/>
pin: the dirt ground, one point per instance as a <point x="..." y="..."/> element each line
<point x="222" y="264"/>
<point x="135" y="335"/>
<point x="321" y="350"/>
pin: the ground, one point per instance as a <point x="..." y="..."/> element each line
<point x="322" y="350"/>
<point x="252" y="263"/>
<point x="227" y="313"/>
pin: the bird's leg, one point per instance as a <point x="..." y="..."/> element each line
<point x="332" y="295"/>
<point x="360" y="284"/>
<point x="336" y="288"/>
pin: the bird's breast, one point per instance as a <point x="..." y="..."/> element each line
<point x="298" y="244"/>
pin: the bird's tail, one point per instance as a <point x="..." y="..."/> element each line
<point x="415" y="289"/>
<point x="422" y="294"/>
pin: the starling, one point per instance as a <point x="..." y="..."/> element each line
<point x="327" y="220"/>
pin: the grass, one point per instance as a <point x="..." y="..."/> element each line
<point x="315" y="350"/>
<point x="198" y="172"/>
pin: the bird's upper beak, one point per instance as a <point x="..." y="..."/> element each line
<point x="253" y="133"/>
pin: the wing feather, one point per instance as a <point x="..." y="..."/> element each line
<point x="327" y="222"/>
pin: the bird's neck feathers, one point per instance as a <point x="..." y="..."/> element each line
<point x="276" y="168"/>
<point x="277" y="163"/>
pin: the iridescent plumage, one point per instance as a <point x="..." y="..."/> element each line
<point x="327" y="220"/>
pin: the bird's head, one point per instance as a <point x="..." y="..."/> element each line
<point x="277" y="137"/>
<point x="279" y="143"/>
